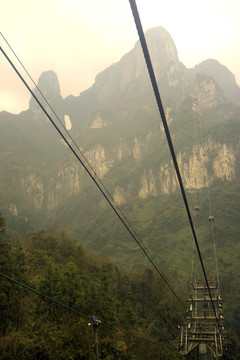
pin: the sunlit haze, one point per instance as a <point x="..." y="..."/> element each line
<point x="78" y="39"/>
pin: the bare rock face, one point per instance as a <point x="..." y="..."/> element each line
<point x="49" y="86"/>
<point x="161" y="46"/>
<point x="66" y="183"/>
<point x="207" y="94"/>
<point x="120" y="117"/>
<point x="49" y="82"/>
<point x="225" y="79"/>
<point x="33" y="185"/>
<point x="194" y="170"/>
<point x="119" y="195"/>
<point x="199" y="170"/>
<point x="132" y="67"/>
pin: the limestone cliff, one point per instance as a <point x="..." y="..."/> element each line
<point x="132" y="66"/>
<point x="118" y="128"/>
<point x="199" y="169"/>
<point x="223" y="77"/>
<point x="33" y="185"/>
<point x="50" y="89"/>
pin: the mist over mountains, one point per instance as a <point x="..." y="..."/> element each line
<point x="118" y="129"/>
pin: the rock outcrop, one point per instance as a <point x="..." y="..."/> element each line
<point x="225" y="79"/>
<point x="49" y="86"/>
<point x="119" y="116"/>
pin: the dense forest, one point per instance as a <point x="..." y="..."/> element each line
<point x="139" y="315"/>
<point x="54" y="281"/>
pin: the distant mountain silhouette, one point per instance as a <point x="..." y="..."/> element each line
<point x="223" y="77"/>
<point x="118" y="128"/>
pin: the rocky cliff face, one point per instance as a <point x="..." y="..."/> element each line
<point x="119" y="116"/>
<point x="132" y="66"/>
<point x="223" y="77"/>
<point x="199" y="169"/>
<point x="50" y="89"/>
<point x="33" y="185"/>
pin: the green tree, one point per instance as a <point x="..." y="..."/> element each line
<point x="2" y="224"/>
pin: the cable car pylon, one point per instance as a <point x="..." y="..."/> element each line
<point x="201" y="328"/>
<point x="204" y="327"/>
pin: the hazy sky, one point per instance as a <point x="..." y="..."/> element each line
<point x="79" y="38"/>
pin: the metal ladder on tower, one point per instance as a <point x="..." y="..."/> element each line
<point x="201" y="328"/>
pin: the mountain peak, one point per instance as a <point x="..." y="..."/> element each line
<point x="161" y="46"/>
<point x="159" y="38"/>
<point x="132" y="67"/>
<point x="49" y="85"/>
<point x="225" y="79"/>
<point x="48" y="81"/>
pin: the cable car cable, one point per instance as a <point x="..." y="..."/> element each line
<point x="168" y="136"/>
<point x="44" y="296"/>
<point x="89" y="318"/>
<point x="196" y="151"/>
<point x="211" y="220"/>
<point x="211" y="217"/>
<point x="94" y="180"/>
<point x="74" y="142"/>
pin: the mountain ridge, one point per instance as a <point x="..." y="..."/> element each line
<point x="117" y="125"/>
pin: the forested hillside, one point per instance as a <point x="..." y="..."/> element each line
<point x="137" y="310"/>
<point x="120" y="140"/>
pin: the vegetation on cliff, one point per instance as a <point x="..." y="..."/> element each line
<point x="136" y="309"/>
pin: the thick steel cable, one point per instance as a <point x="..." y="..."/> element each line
<point x="213" y="235"/>
<point x="78" y="148"/>
<point x="212" y="224"/>
<point x="76" y="145"/>
<point x="8" y="278"/>
<point x="70" y="309"/>
<point x="168" y="136"/>
<point x="193" y="250"/>
<point x="93" y="178"/>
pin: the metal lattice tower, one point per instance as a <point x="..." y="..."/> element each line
<point x="202" y="329"/>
